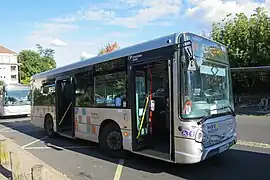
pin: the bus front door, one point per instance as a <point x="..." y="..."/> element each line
<point x="151" y="122"/>
<point x="65" y="106"/>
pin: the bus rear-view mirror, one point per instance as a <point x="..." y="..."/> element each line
<point x="187" y="45"/>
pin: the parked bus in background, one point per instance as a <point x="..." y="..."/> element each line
<point x="15" y="100"/>
<point x="251" y="95"/>
<point x="168" y="98"/>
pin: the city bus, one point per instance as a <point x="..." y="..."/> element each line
<point x="15" y="100"/>
<point x="168" y="98"/>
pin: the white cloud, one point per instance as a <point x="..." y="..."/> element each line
<point x="45" y="33"/>
<point x="127" y="13"/>
<point x="88" y="47"/>
<point x="66" y="19"/>
<point x="215" y="10"/>
<point x="150" y="11"/>
<point x="57" y="43"/>
<point x="53" y="28"/>
<point x="96" y="15"/>
<point x="87" y="55"/>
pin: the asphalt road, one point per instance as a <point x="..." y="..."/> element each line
<point x="82" y="160"/>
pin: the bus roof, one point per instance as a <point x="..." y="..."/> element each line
<point x="131" y="50"/>
<point x="123" y="52"/>
<point x="16" y="86"/>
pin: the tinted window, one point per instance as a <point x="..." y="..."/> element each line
<point x="207" y="49"/>
<point x="110" y="89"/>
<point x="45" y="96"/>
<point x="110" y="66"/>
<point x="83" y="90"/>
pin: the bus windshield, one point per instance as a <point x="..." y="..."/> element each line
<point x="206" y="90"/>
<point x="17" y="96"/>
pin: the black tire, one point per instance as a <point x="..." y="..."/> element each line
<point x="111" y="141"/>
<point x="49" y="127"/>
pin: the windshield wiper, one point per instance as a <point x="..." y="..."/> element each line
<point x="215" y="115"/>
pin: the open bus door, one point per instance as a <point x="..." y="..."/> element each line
<point x="151" y="112"/>
<point x="65" y="99"/>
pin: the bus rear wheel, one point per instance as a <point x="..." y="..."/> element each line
<point x="111" y="141"/>
<point x="49" y="127"/>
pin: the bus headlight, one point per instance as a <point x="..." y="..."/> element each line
<point x="200" y="136"/>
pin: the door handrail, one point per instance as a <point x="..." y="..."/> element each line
<point x="143" y="117"/>
<point x="65" y="113"/>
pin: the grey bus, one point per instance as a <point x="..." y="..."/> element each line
<point x="169" y="98"/>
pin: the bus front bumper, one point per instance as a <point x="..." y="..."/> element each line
<point x="16" y="110"/>
<point x="196" y="153"/>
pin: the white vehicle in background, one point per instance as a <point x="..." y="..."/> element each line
<point x="15" y="100"/>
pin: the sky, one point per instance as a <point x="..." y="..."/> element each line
<point x="75" y="28"/>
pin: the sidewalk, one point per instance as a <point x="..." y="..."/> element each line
<point x="21" y="165"/>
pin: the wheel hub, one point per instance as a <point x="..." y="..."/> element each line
<point x="114" y="141"/>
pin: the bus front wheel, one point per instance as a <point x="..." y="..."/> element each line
<point x="111" y="140"/>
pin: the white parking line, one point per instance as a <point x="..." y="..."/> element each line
<point x="13" y="120"/>
<point x="33" y="142"/>
<point x="119" y="169"/>
<point x="253" y="144"/>
<point x="21" y="130"/>
<point x="58" y="147"/>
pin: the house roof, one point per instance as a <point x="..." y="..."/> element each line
<point x="6" y="50"/>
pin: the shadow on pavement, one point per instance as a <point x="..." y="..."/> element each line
<point x="234" y="164"/>
<point x="12" y="117"/>
<point x="5" y="172"/>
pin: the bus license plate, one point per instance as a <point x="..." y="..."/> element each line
<point x="223" y="148"/>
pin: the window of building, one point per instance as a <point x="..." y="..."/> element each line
<point x="84" y="87"/>
<point x="13" y="68"/>
<point x="13" y="77"/>
<point x="6" y="59"/>
<point x="111" y="89"/>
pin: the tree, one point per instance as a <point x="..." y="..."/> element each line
<point x="2" y="83"/>
<point x="248" y="39"/>
<point x="82" y="58"/>
<point x="32" y="62"/>
<point x="108" y="48"/>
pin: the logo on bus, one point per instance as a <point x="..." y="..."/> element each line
<point x="135" y="57"/>
<point x="212" y="128"/>
<point x="188" y="133"/>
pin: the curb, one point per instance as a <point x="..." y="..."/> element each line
<point x="23" y="165"/>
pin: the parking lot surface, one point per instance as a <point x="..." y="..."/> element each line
<point x="81" y="160"/>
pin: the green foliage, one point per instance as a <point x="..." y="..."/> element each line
<point x="248" y="39"/>
<point x="32" y="62"/>
<point x="42" y="97"/>
<point x="2" y="83"/>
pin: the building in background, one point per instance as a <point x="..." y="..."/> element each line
<point x="8" y="66"/>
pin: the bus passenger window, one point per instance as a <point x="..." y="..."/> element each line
<point x="110" y="90"/>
